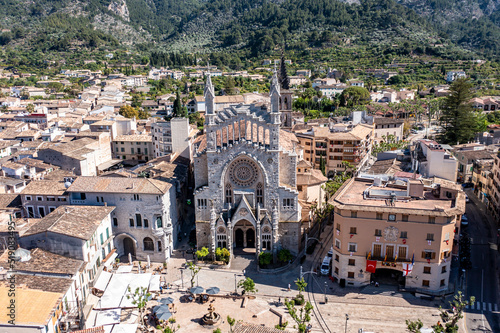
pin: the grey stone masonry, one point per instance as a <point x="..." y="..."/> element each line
<point x="245" y="179"/>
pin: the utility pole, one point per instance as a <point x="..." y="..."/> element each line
<point x="346" y="319"/>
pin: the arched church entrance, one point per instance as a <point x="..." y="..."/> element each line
<point x="250" y="238"/>
<point x="128" y="246"/>
<point x="239" y="236"/>
<point x="244" y="234"/>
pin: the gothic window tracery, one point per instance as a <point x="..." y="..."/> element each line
<point x="243" y="172"/>
<point x="229" y="193"/>
<point x="260" y="193"/>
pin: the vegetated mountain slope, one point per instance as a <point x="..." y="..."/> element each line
<point x="254" y="26"/>
<point x="471" y="23"/>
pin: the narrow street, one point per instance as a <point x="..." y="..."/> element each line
<point x="482" y="279"/>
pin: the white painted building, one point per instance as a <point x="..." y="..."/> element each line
<point x="145" y="221"/>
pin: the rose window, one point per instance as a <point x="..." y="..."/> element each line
<point x="243" y="172"/>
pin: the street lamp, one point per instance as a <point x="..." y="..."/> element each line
<point x="346" y="319"/>
<point x="326" y="285"/>
<point x="182" y="278"/>
<point x="235" y="290"/>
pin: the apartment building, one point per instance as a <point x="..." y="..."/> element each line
<point x="42" y="197"/>
<point x="174" y="136"/>
<point x="431" y="159"/>
<point x="136" y="147"/>
<point x="494" y="202"/>
<point x="386" y="127"/>
<point x="145" y="222"/>
<point x="78" y="232"/>
<point x="392" y="224"/>
<point x="335" y="144"/>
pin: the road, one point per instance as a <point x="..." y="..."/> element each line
<point x="482" y="282"/>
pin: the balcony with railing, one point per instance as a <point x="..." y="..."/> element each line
<point x="388" y="260"/>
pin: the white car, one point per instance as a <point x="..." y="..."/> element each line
<point x="467" y="198"/>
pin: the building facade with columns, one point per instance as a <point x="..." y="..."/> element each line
<point x="245" y="170"/>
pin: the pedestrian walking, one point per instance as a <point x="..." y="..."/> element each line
<point x="279" y="301"/>
<point x="161" y="289"/>
<point x="289" y="287"/>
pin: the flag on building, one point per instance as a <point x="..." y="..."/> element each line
<point x="413" y="259"/>
<point x="407" y="268"/>
<point x="371" y="266"/>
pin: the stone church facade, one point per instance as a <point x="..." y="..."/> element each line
<point x="245" y="178"/>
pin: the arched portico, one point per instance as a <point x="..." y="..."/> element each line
<point x="125" y="244"/>
<point x="244" y="234"/>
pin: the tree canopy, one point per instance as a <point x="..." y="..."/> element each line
<point x="458" y="118"/>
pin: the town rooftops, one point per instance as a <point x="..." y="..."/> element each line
<point x="75" y="221"/>
<point x="387" y="120"/>
<point x="10" y="201"/>
<point x="134" y="138"/>
<point x="45" y="262"/>
<point x="45" y="187"/>
<point x="36" y="298"/>
<point x="360" y="194"/>
<point x="119" y="185"/>
<point x="431" y="144"/>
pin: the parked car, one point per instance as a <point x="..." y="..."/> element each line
<point x="325" y="266"/>
<point x="467" y="198"/>
<point x="330" y="253"/>
<point x="465" y="220"/>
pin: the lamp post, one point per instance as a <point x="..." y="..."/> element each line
<point x="235" y="290"/>
<point x="326" y="299"/>
<point x="346" y="319"/>
<point x="182" y="278"/>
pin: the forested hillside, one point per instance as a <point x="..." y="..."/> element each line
<point x="251" y="28"/>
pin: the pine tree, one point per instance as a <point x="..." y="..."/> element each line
<point x="177" y="105"/>
<point x="284" y="79"/>
<point x="458" y="118"/>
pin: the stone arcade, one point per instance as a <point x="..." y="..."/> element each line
<point x="245" y="178"/>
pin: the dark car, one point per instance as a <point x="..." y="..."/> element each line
<point x="465" y="220"/>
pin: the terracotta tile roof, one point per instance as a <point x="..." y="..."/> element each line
<point x="45" y="262"/>
<point x="75" y="221"/>
<point x="134" y="138"/>
<point x="36" y="298"/>
<point x="119" y="185"/>
<point x="314" y="177"/>
<point x="10" y="201"/>
<point x="99" y="329"/>
<point x="45" y="187"/>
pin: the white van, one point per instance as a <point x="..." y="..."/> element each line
<point x="325" y="266"/>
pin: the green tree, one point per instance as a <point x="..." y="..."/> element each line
<point x="301" y="285"/>
<point x="172" y="328"/>
<point x="449" y="318"/>
<point x="222" y="254"/>
<point x="353" y="96"/>
<point x="248" y="286"/>
<point x="202" y="253"/>
<point x="177" y="105"/>
<point x="284" y="255"/>
<point x="231" y="322"/>
<point x="194" y="270"/>
<point x="301" y="317"/>
<point x="30" y="108"/>
<point x="458" y="118"/>
<point x="129" y="112"/>
<point x="265" y="258"/>
<point x="140" y="298"/>
<point x="143" y="114"/>
<point x="229" y="85"/>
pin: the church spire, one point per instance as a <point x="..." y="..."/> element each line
<point x="284" y="79"/>
<point x="209" y="95"/>
<point x="275" y="93"/>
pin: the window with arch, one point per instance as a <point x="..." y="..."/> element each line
<point x="148" y="244"/>
<point x="229" y="193"/>
<point x="266" y="242"/>
<point x="159" y="246"/>
<point x="260" y="194"/>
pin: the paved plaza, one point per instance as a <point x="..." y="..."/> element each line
<point x="375" y="309"/>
